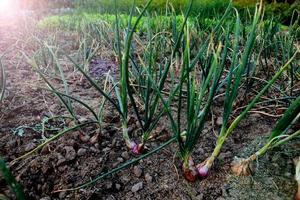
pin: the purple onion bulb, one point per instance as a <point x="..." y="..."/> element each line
<point x="203" y="171"/>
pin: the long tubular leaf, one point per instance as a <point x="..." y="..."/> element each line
<point x="229" y="90"/>
<point x="58" y="66"/>
<point x="125" y="85"/>
<point x="289" y="115"/>
<point x="3" y="81"/>
<point x="11" y="181"/>
<point x="176" y="46"/>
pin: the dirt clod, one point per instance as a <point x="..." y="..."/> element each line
<point x="137" y="171"/>
<point x="70" y="153"/>
<point x="125" y="155"/>
<point x="81" y="152"/>
<point x="219" y="121"/>
<point x="137" y="187"/>
<point x="148" y="178"/>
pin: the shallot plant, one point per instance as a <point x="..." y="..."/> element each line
<point x="121" y="91"/>
<point x="227" y="130"/>
<point x="124" y="90"/>
<point x="199" y="84"/>
<point x="142" y="73"/>
<point x="278" y="136"/>
<point x="233" y="82"/>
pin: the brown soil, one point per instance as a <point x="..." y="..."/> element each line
<point x="74" y="159"/>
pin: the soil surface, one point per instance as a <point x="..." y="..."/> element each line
<point x="80" y="155"/>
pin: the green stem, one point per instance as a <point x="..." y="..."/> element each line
<point x="297" y="133"/>
<point x="125" y="134"/>
<point x="216" y="152"/>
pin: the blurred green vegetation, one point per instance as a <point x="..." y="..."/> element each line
<point x="76" y="21"/>
<point x="157" y="5"/>
<point x="283" y="10"/>
<point x="205" y="12"/>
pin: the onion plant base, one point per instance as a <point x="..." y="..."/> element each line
<point x="203" y="170"/>
<point x="243" y="167"/>
<point x="136" y="149"/>
<point x="190" y="172"/>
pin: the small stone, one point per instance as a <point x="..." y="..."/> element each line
<point x="137" y="171"/>
<point x="114" y="142"/>
<point x="98" y="131"/>
<point x="118" y="186"/>
<point x="70" y="153"/>
<point x="93" y="149"/>
<point x="30" y="146"/>
<point x="125" y="179"/>
<point x="200" y="197"/>
<point x="225" y="155"/>
<point x="148" y="178"/>
<point x="97" y="146"/>
<point x="148" y="162"/>
<point x="111" y="197"/>
<point x="60" y="159"/>
<point x="116" y="164"/>
<point x="107" y="149"/>
<point x="120" y="160"/>
<point x="219" y="121"/>
<point x="71" y="142"/>
<point x="109" y="185"/>
<point x="81" y="152"/>
<point x="62" y="168"/>
<point x="84" y="137"/>
<point x="200" y="151"/>
<point x="112" y="154"/>
<point x="288" y="174"/>
<point x="45" y="150"/>
<point x="205" y="130"/>
<point x="137" y="187"/>
<point x="125" y="155"/>
<point x="62" y="195"/>
<point x="45" y="198"/>
<point x="94" y="139"/>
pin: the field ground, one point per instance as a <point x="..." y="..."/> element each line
<point x="77" y="156"/>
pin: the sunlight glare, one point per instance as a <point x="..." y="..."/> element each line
<point x="8" y="7"/>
